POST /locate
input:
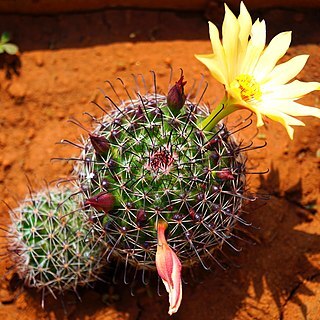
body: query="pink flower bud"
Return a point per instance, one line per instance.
(102, 201)
(169, 269)
(100, 144)
(176, 97)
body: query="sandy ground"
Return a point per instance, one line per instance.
(64, 61)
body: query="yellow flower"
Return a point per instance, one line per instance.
(249, 71)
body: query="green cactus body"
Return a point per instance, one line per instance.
(159, 165)
(52, 244)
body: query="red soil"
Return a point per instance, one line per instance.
(64, 60)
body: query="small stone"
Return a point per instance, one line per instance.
(31, 133)
(7, 161)
(21, 303)
(168, 61)
(17, 91)
(261, 136)
(129, 45)
(38, 59)
(5, 296)
(121, 67)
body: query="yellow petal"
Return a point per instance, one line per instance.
(276, 49)
(245, 24)
(284, 72)
(286, 121)
(240, 104)
(259, 119)
(213, 66)
(293, 90)
(217, 47)
(230, 36)
(255, 47)
(295, 109)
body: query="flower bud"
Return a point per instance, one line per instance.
(100, 144)
(141, 217)
(102, 201)
(225, 174)
(176, 97)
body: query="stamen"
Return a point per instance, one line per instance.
(247, 87)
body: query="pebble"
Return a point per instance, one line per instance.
(3, 140)
(21, 303)
(38, 59)
(168, 61)
(7, 163)
(121, 67)
(129, 45)
(5, 296)
(30, 134)
(17, 90)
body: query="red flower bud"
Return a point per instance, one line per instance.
(176, 97)
(225, 174)
(192, 213)
(141, 217)
(100, 144)
(102, 201)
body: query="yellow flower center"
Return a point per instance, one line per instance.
(247, 87)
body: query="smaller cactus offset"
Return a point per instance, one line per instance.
(51, 243)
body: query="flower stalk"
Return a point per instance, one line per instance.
(220, 112)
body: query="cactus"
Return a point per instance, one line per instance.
(148, 161)
(51, 242)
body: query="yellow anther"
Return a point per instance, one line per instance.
(247, 87)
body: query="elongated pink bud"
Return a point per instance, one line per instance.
(100, 144)
(102, 201)
(176, 97)
(169, 269)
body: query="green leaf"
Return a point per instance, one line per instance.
(10, 48)
(1, 49)
(5, 37)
